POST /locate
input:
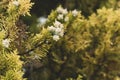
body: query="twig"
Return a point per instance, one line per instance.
(26, 53)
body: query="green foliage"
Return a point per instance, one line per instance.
(78, 78)
(104, 50)
(10, 66)
(10, 63)
(67, 47)
(89, 47)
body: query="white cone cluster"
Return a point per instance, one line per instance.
(75, 13)
(57, 30)
(62, 14)
(16, 3)
(6, 43)
(62, 11)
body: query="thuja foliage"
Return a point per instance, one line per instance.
(89, 47)
(10, 63)
(67, 47)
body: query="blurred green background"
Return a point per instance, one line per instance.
(44, 7)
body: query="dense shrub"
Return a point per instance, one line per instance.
(67, 47)
(89, 47)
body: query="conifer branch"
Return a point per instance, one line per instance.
(32, 49)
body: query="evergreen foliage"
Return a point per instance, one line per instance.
(67, 47)
(10, 63)
(10, 66)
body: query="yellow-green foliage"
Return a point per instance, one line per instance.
(10, 63)
(104, 50)
(90, 47)
(22, 7)
(12, 11)
(2, 34)
(78, 78)
(10, 66)
(68, 44)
